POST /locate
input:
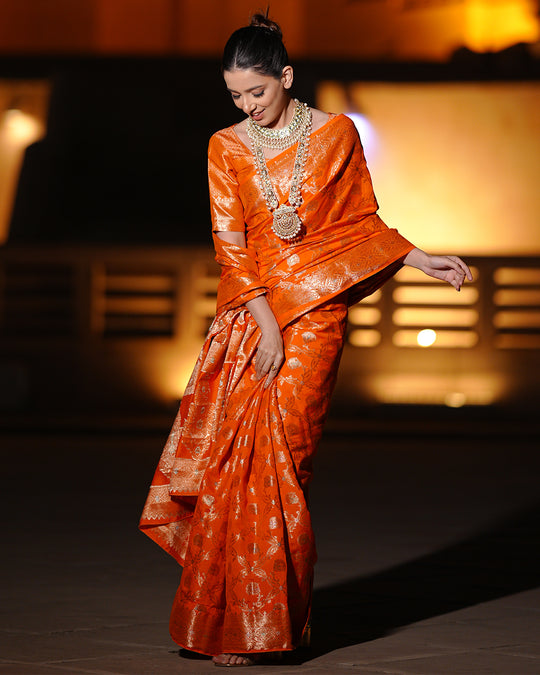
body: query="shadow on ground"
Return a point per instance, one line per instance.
(501, 561)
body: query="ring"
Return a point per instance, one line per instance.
(273, 367)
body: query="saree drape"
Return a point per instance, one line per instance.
(229, 496)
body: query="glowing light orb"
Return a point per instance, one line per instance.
(455, 399)
(21, 128)
(426, 337)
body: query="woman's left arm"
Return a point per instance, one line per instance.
(448, 268)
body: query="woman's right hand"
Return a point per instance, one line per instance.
(269, 357)
(270, 353)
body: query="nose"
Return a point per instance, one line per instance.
(248, 106)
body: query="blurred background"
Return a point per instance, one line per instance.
(107, 275)
(427, 541)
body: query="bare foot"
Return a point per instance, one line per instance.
(233, 660)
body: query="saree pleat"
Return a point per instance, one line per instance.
(248, 562)
(229, 498)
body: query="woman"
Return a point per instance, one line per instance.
(298, 240)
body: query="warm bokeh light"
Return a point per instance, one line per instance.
(455, 399)
(457, 164)
(438, 389)
(362, 337)
(444, 338)
(491, 25)
(20, 128)
(516, 276)
(385, 29)
(426, 337)
(23, 106)
(517, 319)
(418, 316)
(514, 296)
(435, 295)
(132, 320)
(174, 370)
(364, 316)
(517, 341)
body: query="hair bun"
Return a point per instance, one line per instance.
(262, 21)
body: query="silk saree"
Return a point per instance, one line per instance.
(229, 498)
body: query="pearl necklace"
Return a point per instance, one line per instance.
(286, 223)
(280, 139)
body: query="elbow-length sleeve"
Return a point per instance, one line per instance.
(240, 280)
(226, 207)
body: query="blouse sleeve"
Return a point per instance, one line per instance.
(226, 208)
(239, 281)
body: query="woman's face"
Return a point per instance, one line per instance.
(263, 97)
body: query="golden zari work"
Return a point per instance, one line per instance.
(229, 496)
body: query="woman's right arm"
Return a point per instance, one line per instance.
(270, 355)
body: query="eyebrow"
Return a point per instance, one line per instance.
(233, 91)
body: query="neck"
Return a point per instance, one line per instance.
(286, 115)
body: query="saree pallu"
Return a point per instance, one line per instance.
(344, 244)
(246, 543)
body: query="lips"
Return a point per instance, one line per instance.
(257, 116)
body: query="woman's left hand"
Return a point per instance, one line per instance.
(447, 268)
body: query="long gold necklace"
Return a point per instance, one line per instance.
(286, 223)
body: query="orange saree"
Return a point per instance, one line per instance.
(229, 496)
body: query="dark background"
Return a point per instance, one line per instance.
(124, 156)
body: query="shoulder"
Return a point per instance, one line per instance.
(220, 140)
(240, 130)
(318, 119)
(334, 122)
(335, 131)
(345, 125)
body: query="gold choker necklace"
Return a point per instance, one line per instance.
(287, 224)
(280, 139)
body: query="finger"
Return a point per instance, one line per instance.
(457, 280)
(263, 363)
(271, 375)
(464, 269)
(453, 261)
(461, 266)
(264, 357)
(261, 369)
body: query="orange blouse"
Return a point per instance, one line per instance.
(344, 245)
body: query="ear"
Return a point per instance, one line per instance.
(287, 77)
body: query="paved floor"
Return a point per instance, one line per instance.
(427, 561)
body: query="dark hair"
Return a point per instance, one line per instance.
(258, 46)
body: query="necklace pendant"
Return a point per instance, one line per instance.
(287, 224)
